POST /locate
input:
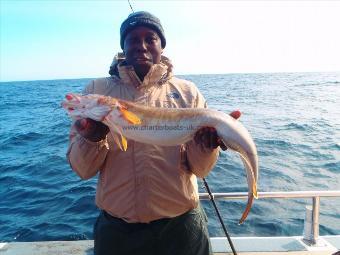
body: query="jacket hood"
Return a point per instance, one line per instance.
(158, 74)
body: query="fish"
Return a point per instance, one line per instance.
(167, 127)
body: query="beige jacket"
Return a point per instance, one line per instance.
(146, 182)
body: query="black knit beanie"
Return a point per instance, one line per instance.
(144, 19)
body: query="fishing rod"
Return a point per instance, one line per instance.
(131, 6)
(219, 216)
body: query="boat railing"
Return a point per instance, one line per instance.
(311, 222)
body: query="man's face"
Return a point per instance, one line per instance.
(142, 48)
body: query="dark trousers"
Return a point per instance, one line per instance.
(186, 234)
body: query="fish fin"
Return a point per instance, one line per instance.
(124, 142)
(123, 139)
(130, 116)
(115, 131)
(116, 139)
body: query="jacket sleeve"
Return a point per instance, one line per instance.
(200, 160)
(86, 158)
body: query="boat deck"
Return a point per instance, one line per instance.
(327, 245)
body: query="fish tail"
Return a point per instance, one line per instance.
(247, 210)
(255, 194)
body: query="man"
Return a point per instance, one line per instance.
(148, 194)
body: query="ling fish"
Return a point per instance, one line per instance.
(167, 127)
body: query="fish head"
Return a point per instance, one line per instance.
(85, 106)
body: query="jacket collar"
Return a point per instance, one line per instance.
(158, 74)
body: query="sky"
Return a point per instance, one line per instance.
(45, 40)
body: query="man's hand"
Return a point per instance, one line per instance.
(207, 136)
(91, 129)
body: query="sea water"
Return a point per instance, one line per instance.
(294, 119)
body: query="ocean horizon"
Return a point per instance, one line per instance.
(180, 75)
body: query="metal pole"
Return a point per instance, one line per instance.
(277, 194)
(315, 218)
